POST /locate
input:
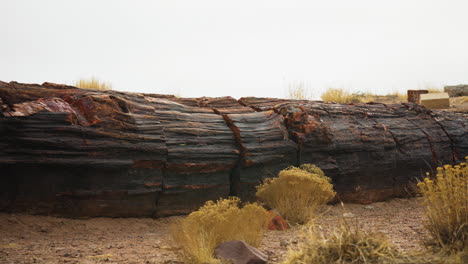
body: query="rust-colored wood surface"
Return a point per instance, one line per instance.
(414, 96)
(75, 152)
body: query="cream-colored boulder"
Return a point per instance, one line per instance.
(435, 100)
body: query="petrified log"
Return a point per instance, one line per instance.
(75, 152)
(415, 95)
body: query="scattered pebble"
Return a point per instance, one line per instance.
(284, 243)
(348, 215)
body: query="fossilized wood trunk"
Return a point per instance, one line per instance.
(75, 152)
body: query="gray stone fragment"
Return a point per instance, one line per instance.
(239, 252)
(457, 90)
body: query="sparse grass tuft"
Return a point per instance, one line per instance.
(93, 83)
(349, 244)
(297, 91)
(202, 231)
(345, 97)
(341, 96)
(435, 90)
(446, 201)
(297, 193)
(399, 97)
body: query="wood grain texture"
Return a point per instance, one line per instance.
(74, 152)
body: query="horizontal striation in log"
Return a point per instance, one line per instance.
(76, 152)
(373, 146)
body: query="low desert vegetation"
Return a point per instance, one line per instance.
(445, 197)
(297, 193)
(433, 89)
(348, 244)
(343, 96)
(314, 169)
(93, 83)
(202, 231)
(297, 91)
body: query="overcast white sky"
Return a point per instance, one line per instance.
(237, 48)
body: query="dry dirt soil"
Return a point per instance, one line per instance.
(45, 239)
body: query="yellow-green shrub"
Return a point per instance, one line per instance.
(349, 244)
(446, 206)
(202, 231)
(93, 83)
(314, 169)
(297, 193)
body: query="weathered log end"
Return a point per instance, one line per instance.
(80, 153)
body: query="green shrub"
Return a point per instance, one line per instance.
(202, 231)
(349, 244)
(297, 193)
(445, 197)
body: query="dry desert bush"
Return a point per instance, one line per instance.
(445, 198)
(348, 244)
(343, 96)
(202, 231)
(93, 83)
(297, 193)
(297, 91)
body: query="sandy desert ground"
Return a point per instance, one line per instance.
(46, 239)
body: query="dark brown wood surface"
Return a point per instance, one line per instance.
(74, 152)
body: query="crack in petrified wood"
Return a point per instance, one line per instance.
(81, 152)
